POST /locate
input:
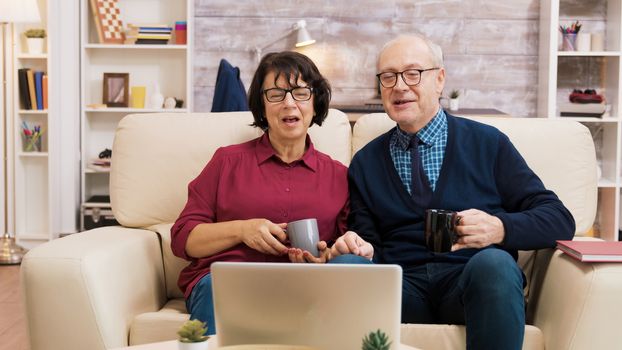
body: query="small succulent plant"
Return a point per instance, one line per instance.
(377, 340)
(454, 94)
(192, 331)
(35, 33)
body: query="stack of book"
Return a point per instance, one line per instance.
(33, 89)
(155, 34)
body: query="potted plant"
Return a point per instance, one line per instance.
(192, 336)
(454, 101)
(377, 340)
(34, 40)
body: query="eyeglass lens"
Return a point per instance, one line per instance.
(278, 95)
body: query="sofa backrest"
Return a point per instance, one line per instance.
(560, 151)
(156, 155)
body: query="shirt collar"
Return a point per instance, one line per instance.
(427, 135)
(264, 151)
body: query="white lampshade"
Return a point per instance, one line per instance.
(19, 11)
(303, 38)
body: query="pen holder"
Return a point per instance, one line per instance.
(31, 143)
(568, 41)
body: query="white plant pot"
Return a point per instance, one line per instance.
(454, 104)
(35, 45)
(204, 345)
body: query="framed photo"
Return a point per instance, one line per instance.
(116, 86)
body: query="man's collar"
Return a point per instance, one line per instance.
(427, 135)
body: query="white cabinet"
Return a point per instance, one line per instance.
(562, 71)
(168, 66)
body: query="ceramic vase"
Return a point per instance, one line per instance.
(35, 45)
(157, 99)
(454, 104)
(204, 345)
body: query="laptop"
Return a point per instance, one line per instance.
(327, 307)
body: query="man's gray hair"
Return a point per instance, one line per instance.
(435, 50)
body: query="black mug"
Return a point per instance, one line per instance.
(440, 229)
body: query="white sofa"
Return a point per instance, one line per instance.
(114, 286)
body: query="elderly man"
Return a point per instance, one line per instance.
(432, 159)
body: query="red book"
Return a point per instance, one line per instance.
(592, 251)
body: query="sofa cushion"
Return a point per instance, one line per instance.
(172, 264)
(163, 325)
(155, 156)
(159, 326)
(452, 337)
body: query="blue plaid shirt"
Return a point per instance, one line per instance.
(434, 139)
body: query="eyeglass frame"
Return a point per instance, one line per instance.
(402, 75)
(290, 91)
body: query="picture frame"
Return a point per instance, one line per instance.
(116, 89)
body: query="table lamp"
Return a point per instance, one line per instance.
(302, 38)
(11, 11)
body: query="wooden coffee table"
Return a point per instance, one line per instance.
(172, 345)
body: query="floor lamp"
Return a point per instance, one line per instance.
(11, 11)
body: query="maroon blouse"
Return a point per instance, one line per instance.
(248, 181)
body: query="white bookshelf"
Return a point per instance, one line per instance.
(170, 66)
(32, 214)
(597, 69)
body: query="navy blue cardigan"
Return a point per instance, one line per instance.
(481, 169)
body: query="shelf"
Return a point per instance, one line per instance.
(32, 56)
(33, 154)
(606, 183)
(135, 110)
(136, 47)
(589, 53)
(590, 120)
(33, 111)
(34, 236)
(94, 171)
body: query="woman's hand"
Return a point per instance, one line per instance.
(264, 236)
(351, 243)
(297, 255)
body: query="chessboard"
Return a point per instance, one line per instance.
(107, 17)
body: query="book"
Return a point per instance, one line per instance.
(39, 89)
(151, 42)
(24, 92)
(45, 91)
(31, 89)
(592, 251)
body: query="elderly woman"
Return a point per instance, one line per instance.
(239, 205)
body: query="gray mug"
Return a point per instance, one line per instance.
(304, 234)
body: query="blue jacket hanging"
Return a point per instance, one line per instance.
(229, 94)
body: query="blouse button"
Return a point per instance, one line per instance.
(287, 189)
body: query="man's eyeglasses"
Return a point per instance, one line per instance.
(411, 77)
(298, 94)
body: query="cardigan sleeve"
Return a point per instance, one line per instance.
(534, 217)
(361, 220)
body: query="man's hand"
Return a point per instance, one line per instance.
(297, 255)
(264, 236)
(351, 243)
(477, 229)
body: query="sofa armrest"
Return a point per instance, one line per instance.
(579, 304)
(83, 291)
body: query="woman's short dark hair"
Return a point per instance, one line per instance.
(291, 65)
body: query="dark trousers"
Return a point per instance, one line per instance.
(486, 294)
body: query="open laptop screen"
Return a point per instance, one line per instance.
(324, 306)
